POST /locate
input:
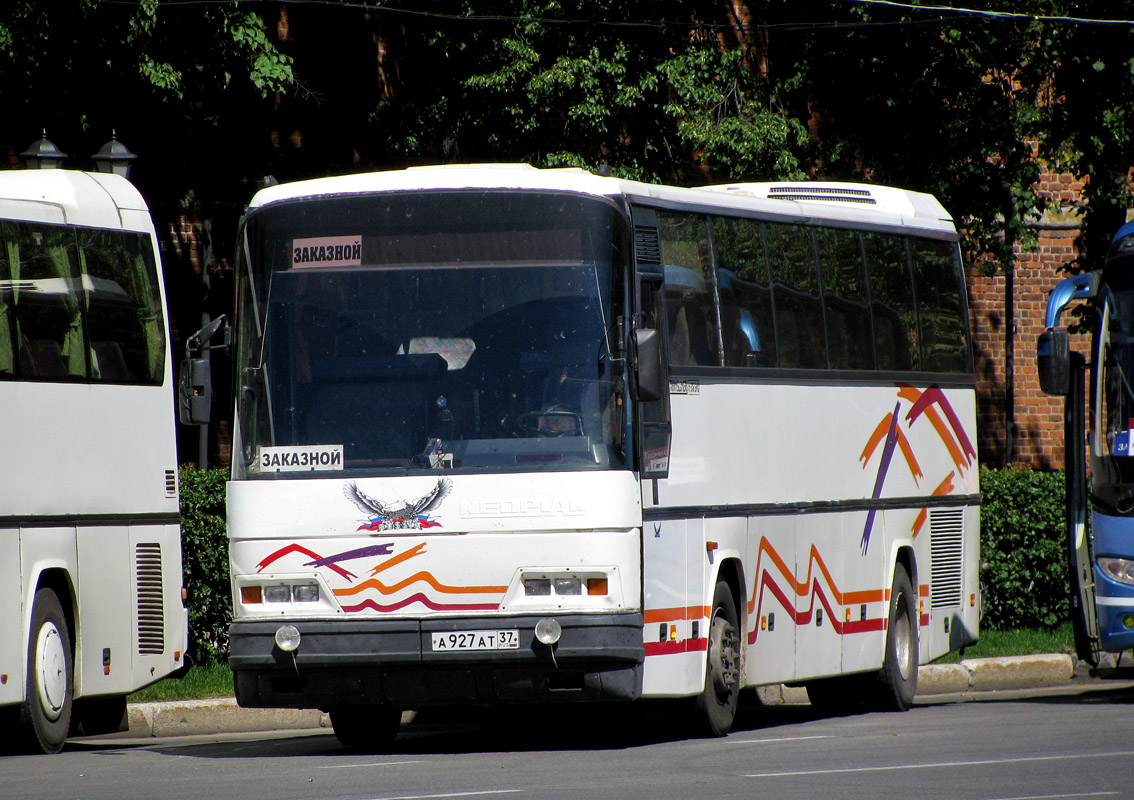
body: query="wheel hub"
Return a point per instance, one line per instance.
(51, 671)
(723, 656)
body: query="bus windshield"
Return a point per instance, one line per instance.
(463, 330)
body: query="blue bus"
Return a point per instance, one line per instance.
(1098, 434)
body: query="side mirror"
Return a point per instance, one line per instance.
(1053, 361)
(194, 392)
(648, 384)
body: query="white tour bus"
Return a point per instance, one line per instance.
(514, 435)
(91, 602)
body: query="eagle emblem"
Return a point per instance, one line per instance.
(409, 515)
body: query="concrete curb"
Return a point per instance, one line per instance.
(223, 715)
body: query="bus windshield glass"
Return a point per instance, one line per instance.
(456, 330)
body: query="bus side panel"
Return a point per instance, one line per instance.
(13, 654)
(104, 584)
(770, 572)
(820, 555)
(159, 618)
(866, 591)
(674, 665)
(949, 591)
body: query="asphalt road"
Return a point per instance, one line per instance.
(1070, 742)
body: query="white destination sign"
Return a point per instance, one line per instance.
(300, 458)
(326, 251)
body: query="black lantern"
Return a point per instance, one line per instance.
(43, 154)
(114, 157)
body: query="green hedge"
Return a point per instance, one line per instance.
(204, 553)
(1021, 541)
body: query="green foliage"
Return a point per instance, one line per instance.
(204, 548)
(1022, 540)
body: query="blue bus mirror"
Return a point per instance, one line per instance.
(1053, 361)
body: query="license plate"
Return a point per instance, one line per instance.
(465, 641)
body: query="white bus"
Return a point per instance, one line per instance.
(91, 604)
(514, 435)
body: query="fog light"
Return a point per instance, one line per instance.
(277, 594)
(548, 631)
(568, 586)
(305, 593)
(287, 638)
(1128, 622)
(537, 586)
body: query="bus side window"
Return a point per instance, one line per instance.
(795, 291)
(892, 302)
(849, 333)
(743, 286)
(46, 301)
(693, 338)
(8, 351)
(939, 289)
(124, 316)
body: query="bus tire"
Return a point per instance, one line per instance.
(896, 683)
(366, 729)
(716, 705)
(45, 717)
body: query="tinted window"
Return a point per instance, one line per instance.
(940, 303)
(845, 299)
(124, 320)
(892, 303)
(690, 314)
(747, 328)
(795, 289)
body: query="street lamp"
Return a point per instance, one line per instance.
(43, 154)
(114, 157)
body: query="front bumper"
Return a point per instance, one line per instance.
(348, 662)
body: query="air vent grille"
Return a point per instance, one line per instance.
(946, 555)
(647, 245)
(151, 607)
(839, 193)
(171, 483)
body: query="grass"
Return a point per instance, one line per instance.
(215, 680)
(210, 680)
(1018, 642)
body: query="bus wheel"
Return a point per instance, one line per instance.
(896, 683)
(45, 716)
(367, 729)
(716, 705)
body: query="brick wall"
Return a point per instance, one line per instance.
(1038, 417)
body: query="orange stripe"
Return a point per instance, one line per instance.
(921, 517)
(416, 550)
(879, 433)
(374, 583)
(945, 487)
(802, 588)
(671, 614)
(866, 596)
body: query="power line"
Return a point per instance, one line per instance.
(994, 14)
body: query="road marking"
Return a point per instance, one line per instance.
(938, 764)
(448, 794)
(1056, 796)
(772, 741)
(374, 764)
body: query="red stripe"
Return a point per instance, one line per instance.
(672, 648)
(425, 601)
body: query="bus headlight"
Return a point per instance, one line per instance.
(1119, 569)
(277, 594)
(305, 593)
